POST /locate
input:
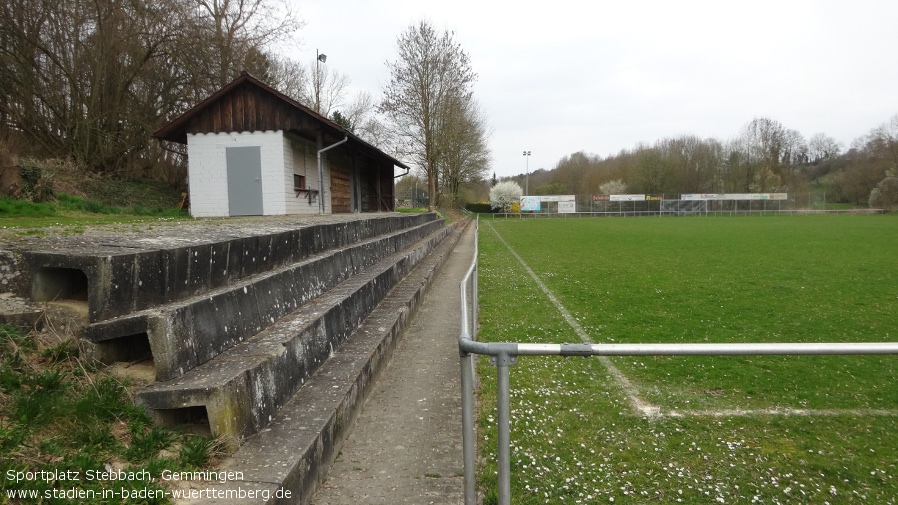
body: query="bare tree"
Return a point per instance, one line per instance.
(430, 71)
(90, 80)
(326, 88)
(360, 112)
(822, 148)
(795, 149)
(289, 77)
(313, 84)
(764, 147)
(232, 35)
(86, 79)
(884, 140)
(464, 154)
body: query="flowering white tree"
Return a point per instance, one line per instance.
(504, 194)
(885, 194)
(615, 187)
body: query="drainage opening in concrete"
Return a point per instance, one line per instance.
(193, 419)
(57, 284)
(129, 356)
(130, 348)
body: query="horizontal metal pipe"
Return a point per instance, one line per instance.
(740, 349)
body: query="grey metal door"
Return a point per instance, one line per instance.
(244, 180)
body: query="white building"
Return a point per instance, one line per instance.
(254, 151)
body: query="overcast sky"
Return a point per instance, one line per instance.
(564, 76)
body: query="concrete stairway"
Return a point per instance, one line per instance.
(185, 333)
(271, 339)
(242, 387)
(235, 325)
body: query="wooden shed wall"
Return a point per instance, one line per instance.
(248, 108)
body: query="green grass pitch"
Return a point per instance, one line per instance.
(772, 429)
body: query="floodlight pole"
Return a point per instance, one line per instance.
(319, 58)
(527, 166)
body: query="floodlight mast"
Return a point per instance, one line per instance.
(319, 58)
(527, 167)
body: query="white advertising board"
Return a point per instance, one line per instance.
(735, 196)
(558, 198)
(627, 198)
(567, 207)
(702, 196)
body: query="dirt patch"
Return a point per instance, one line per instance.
(139, 374)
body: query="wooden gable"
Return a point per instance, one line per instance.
(247, 104)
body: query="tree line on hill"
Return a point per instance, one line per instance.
(765, 157)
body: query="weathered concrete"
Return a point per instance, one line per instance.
(127, 274)
(296, 449)
(280, 357)
(9, 274)
(245, 386)
(185, 334)
(405, 445)
(19, 312)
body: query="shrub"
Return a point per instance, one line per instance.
(885, 194)
(37, 179)
(479, 208)
(504, 194)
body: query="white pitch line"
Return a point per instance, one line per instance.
(783, 411)
(641, 406)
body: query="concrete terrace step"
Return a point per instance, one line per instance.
(127, 273)
(184, 334)
(294, 452)
(243, 388)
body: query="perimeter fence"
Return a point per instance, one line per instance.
(678, 205)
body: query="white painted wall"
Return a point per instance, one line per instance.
(282, 155)
(301, 155)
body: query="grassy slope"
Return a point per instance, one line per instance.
(60, 415)
(80, 199)
(694, 280)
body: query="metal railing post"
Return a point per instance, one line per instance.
(503, 424)
(467, 428)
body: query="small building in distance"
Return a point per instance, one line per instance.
(254, 151)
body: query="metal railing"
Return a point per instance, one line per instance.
(504, 354)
